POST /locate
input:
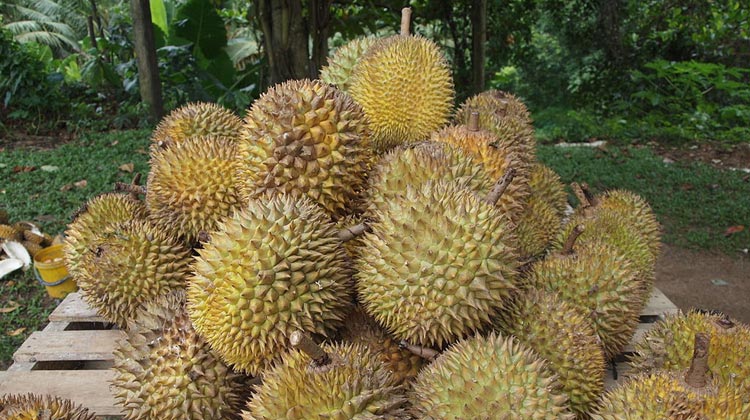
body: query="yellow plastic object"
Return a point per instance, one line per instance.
(50, 270)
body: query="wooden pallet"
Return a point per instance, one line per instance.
(72, 356)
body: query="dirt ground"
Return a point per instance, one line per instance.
(699, 279)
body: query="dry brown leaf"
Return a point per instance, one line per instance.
(114, 143)
(20, 168)
(8, 309)
(127, 167)
(731, 230)
(16, 332)
(81, 184)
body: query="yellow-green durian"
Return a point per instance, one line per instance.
(129, 264)
(193, 185)
(545, 183)
(565, 337)
(41, 407)
(96, 217)
(537, 226)
(306, 138)
(405, 87)
(437, 265)
(164, 370)
(492, 377)
(10, 233)
(506, 117)
(274, 267)
(196, 119)
(601, 283)
(342, 62)
(354, 384)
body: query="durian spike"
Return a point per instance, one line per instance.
(303, 342)
(500, 186)
(473, 124)
(697, 375)
(423, 352)
(203, 237)
(570, 241)
(349, 233)
(133, 188)
(580, 195)
(405, 20)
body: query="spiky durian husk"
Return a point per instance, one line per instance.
(129, 264)
(355, 385)
(193, 185)
(416, 164)
(565, 337)
(164, 370)
(491, 377)
(32, 247)
(10, 233)
(96, 217)
(669, 346)
(361, 328)
(41, 407)
(537, 227)
(196, 119)
(405, 87)
(342, 62)
(664, 395)
(496, 162)
(307, 138)
(437, 265)
(545, 183)
(506, 117)
(30, 236)
(274, 267)
(601, 283)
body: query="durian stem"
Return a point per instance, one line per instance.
(697, 375)
(473, 121)
(500, 186)
(203, 237)
(580, 195)
(724, 322)
(405, 20)
(593, 201)
(303, 342)
(134, 190)
(423, 352)
(570, 241)
(347, 234)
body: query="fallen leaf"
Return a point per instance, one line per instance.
(81, 184)
(114, 143)
(66, 187)
(8, 309)
(687, 187)
(731, 230)
(49, 168)
(20, 168)
(16, 332)
(127, 167)
(10, 283)
(141, 151)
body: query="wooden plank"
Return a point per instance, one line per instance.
(640, 331)
(21, 366)
(74, 309)
(659, 305)
(56, 326)
(68, 345)
(622, 371)
(89, 388)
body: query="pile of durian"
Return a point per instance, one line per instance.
(355, 248)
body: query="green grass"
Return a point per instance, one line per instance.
(38, 196)
(694, 202)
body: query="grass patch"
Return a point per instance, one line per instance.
(694, 202)
(46, 199)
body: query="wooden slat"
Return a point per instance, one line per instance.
(74, 309)
(21, 366)
(68, 345)
(622, 370)
(89, 388)
(56, 326)
(659, 305)
(640, 331)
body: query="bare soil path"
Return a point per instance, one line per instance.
(704, 280)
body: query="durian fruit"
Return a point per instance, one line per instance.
(41, 407)
(129, 264)
(492, 377)
(193, 185)
(496, 161)
(405, 87)
(689, 394)
(361, 328)
(10, 233)
(506, 117)
(342, 62)
(537, 227)
(562, 335)
(196, 119)
(30, 236)
(32, 247)
(415, 164)
(545, 183)
(164, 370)
(669, 346)
(351, 246)
(307, 138)
(437, 265)
(274, 267)
(337, 381)
(94, 218)
(600, 282)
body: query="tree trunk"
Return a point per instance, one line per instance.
(145, 54)
(478, 37)
(285, 39)
(608, 19)
(320, 19)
